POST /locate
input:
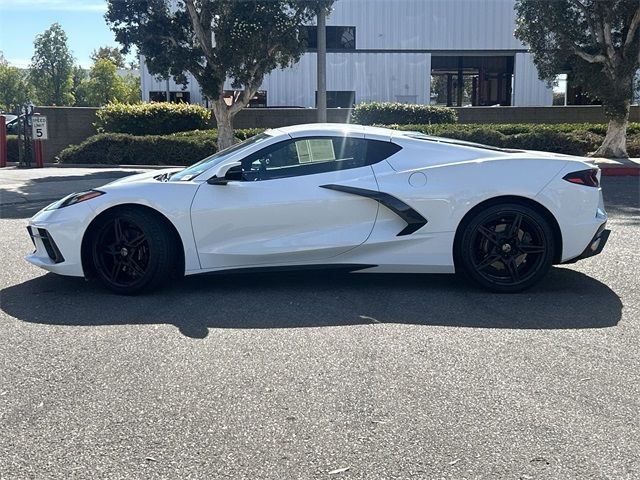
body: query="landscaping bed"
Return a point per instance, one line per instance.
(185, 148)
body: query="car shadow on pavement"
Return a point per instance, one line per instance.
(566, 299)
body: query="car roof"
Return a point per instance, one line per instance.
(339, 129)
(378, 133)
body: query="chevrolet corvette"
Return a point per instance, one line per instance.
(330, 195)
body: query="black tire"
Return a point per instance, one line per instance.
(132, 251)
(506, 248)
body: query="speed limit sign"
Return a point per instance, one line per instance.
(39, 127)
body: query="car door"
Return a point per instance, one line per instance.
(281, 211)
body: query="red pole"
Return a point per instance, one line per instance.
(37, 148)
(4, 147)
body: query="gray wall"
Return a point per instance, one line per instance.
(66, 126)
(278, 117)
(71, 125)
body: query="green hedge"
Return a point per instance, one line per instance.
(182, 148)
(124, 149)
(151, 118)
(388, 113)
(188, 147)
(570, 139)
(513, 128)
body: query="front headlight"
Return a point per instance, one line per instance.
(75, 198)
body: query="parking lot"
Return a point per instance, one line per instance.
(318, 375)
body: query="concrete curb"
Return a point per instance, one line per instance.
(620, 171)
(102, 166)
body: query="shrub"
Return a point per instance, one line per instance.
(571, 139)
(515, 128)
(124, 149)
(183, 148)
(247, 133)
(151, 118)
(633, 145)
(388, 113)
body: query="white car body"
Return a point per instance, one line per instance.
(303, 220)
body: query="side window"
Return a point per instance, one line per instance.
(308, 156)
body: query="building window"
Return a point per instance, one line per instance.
(339, 98)
(471, 80)
(259, 100)
(338, 38)
(174, 97)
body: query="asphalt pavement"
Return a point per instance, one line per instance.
(318, 375)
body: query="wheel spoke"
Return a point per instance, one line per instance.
(530, 249)
(515, 225)
(135, 267)
(108, 250)
(510, 263)
(489, 260)
(137, 241)
(117, 227)
(115, 270)
(488, 234)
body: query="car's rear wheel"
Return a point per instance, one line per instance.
(506, 248)
(132, 251)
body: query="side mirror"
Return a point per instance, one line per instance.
(227, 173)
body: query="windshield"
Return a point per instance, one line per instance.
(217, 158)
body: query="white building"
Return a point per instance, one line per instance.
(456, 52)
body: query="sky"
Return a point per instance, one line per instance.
(82, 20)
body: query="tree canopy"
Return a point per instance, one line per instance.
(104, 85)
(215, 40)
(51, 67)
(598, 41)
(112, 54)
(14, 86)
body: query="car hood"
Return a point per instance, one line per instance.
(143, 177)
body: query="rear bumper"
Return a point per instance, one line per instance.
(596, 245)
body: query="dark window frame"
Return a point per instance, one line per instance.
(335, 35)
(335, 98)
(369, 158)
(175, 96)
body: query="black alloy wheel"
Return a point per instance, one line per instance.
(132, 252)
(507, 248)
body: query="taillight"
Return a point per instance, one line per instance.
(584, 177)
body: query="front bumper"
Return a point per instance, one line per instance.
(57, 238)
(42, 239)
(596, 245)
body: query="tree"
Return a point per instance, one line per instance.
(215, 40)
(133, 93)
(112, 54)
(14, 87)
(598, 41)
(51, 67)
(78, 74)
(104, 85)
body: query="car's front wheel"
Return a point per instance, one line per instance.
(132, 251)
(506, 248)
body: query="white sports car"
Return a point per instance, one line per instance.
(368, 199)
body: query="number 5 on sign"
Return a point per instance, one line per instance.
(39, 127)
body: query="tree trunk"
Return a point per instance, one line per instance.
(225, 124)
(615, 142)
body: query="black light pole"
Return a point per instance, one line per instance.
(322, 65)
